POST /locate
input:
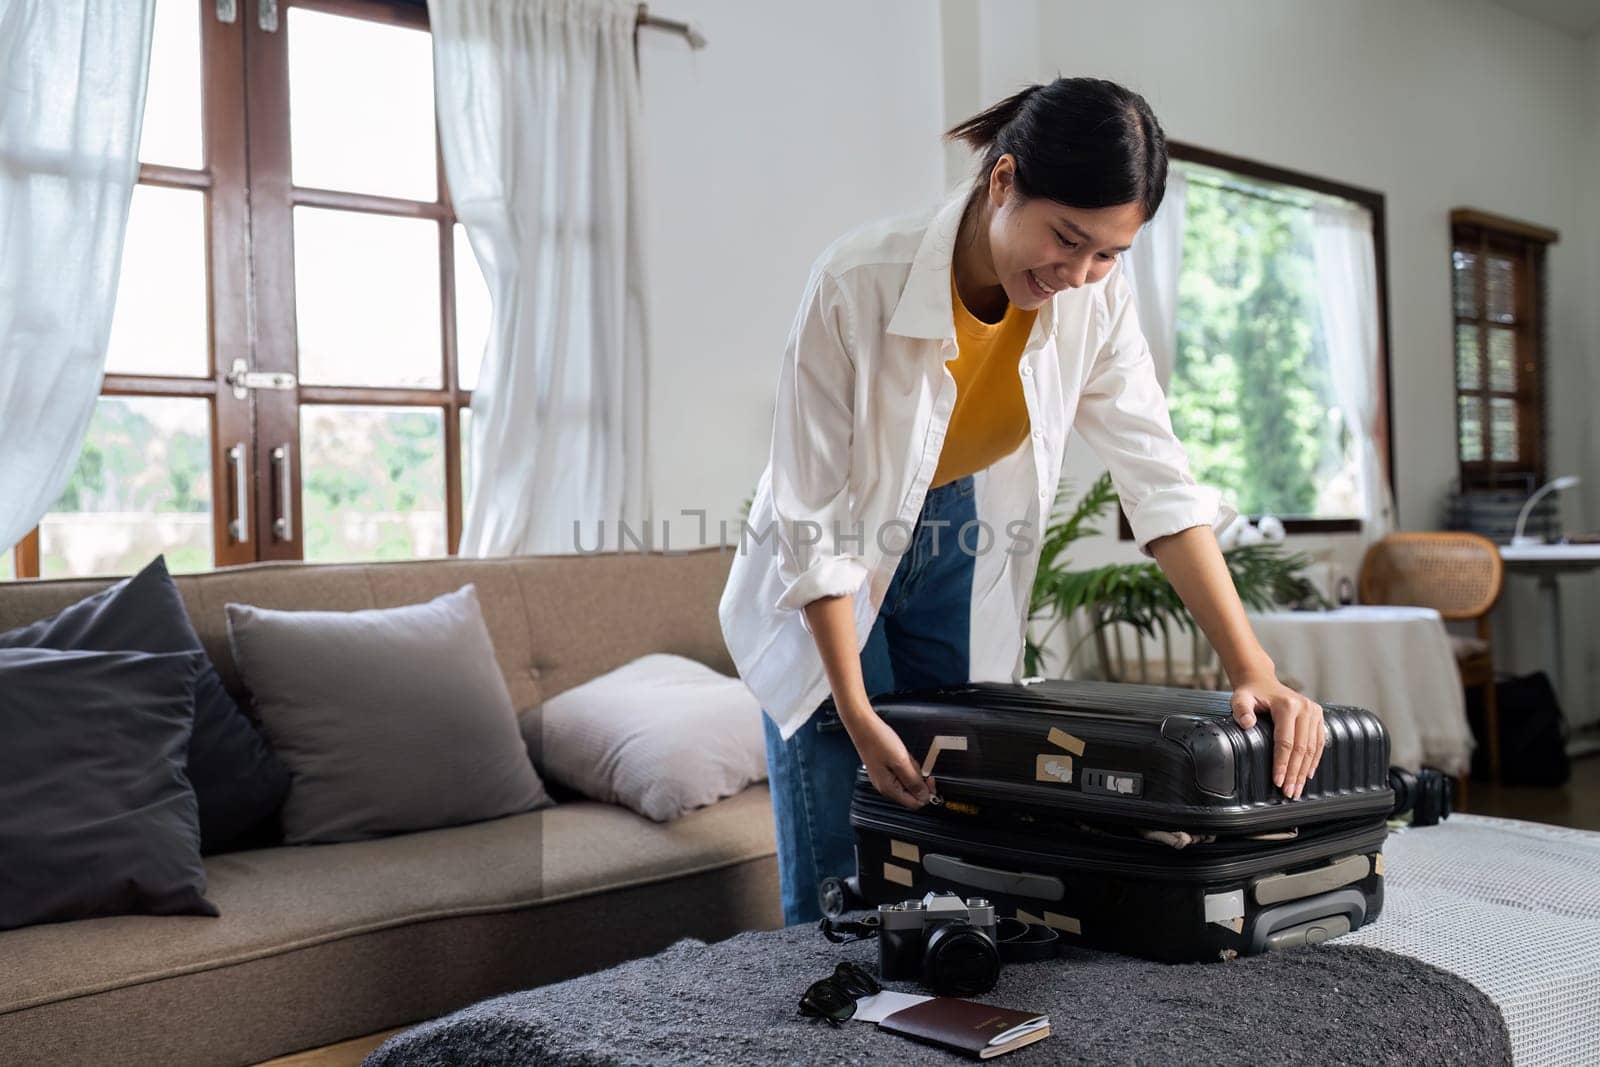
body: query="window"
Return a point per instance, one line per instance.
(1497, 284)
(1251, 393)
(283, 378)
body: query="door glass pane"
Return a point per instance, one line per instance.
(1503, 429)
(367, 299)
(142, 487)
(8, 564)
(472, 311)
(1500, 290)
(361, 106)
(1502, 360)
(466, 454)
(372, 482)
(1469, 366)
(171, 131)
(160, 323)
(1465, 275)
(1469, 412)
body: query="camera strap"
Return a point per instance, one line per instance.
(1023, 942)
(847, 931)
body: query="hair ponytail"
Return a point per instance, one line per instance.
(1083, 142)
(982, 130)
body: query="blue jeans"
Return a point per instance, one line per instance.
(920, 639)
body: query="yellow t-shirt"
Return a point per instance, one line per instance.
(990, 418)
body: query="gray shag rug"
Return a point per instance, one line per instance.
(734, 1002)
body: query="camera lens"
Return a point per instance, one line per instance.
(959, 960)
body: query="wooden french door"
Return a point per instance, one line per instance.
(291, 277)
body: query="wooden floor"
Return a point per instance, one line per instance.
(344, 1054)
(1576, 804)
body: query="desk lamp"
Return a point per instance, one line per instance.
(1566, 481)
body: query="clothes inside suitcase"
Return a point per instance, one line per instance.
(1067, 803)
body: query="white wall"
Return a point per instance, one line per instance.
(1591, 180)
(1436, 105)
(1583, 653)
(797, 123)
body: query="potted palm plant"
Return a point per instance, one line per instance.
(1137, 596)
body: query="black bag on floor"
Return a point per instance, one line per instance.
(1533, 732)
(1133, 818)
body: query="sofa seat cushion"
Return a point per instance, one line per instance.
(280, 900)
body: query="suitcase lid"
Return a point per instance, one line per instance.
(1132, 754)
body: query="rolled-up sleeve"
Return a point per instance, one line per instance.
(812, 433)
(1123, 416)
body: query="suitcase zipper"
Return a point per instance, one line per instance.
(1126, 812)
(1174, 864)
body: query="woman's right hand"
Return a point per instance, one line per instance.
(888, 764)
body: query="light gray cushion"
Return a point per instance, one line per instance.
(661, 735)
(389, 720)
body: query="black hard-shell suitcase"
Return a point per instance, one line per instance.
(1063, 802)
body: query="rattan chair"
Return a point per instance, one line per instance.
(1458, 575)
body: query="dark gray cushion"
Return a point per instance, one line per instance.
(96, 816)
(389, 720)
(238, 781)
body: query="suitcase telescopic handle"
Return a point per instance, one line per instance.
(994, 879)
(1309, 921)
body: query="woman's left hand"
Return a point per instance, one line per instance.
(1297, 729)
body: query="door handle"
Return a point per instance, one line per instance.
(239, 525)
(283, 522)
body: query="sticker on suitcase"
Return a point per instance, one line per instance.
(1053, 767)
(942, 743)
(1061, 739)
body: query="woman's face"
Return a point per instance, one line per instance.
(1040, 247)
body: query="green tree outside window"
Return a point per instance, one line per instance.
(1250, 395)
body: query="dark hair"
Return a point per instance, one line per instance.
(1082, 142)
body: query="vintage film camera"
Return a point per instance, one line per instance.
(946, 943)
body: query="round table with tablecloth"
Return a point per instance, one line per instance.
(1395, 661)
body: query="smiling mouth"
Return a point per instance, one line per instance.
(1043, 288)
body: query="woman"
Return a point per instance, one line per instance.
(930, 381)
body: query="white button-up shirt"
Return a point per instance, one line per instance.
(864, 399)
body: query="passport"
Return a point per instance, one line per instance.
(981, 1031)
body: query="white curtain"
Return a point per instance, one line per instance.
(540, 129)
(72, 81)
(1153, 265)
(1347, 287)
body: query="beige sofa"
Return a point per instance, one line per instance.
(322, 943)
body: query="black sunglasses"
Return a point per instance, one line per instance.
(833, 999)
